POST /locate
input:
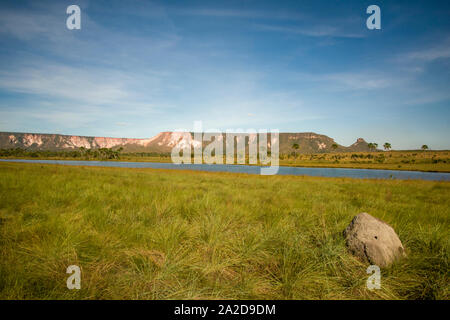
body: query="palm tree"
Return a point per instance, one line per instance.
(370, 146)
(424, 147)
(295, 146)
(387, 146)
(334, 146)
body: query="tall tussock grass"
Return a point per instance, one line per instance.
(161, 234)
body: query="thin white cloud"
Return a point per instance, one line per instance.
(63, 82)
(439, 49)
(429, 54)
(230, 13)
(56, 116)
(363, 80)
(366, 81)
(26, 26)
(94, 42)
(122, 124)
(312, 28)
(311, 31)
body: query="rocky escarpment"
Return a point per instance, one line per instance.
(307, 142)
(61, 142)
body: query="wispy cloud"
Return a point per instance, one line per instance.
(312, 26)
(429, 54)
(28, 25)
(311, 31)
(94, 43)
(438, 50)
(63, 82)
(361, 80)
(49, 115)
(231, 13)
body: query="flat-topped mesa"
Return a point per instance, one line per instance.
(163, 142)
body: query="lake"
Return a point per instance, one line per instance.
(296, 171)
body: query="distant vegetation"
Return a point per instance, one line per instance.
(396, 160)
(295, 146)
(372, 146)
(424, 160)
(81, 153)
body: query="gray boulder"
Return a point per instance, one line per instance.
(373, 240)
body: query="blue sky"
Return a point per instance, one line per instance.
(140, 67)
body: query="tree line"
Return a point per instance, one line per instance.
(82, 153)
(371, 145)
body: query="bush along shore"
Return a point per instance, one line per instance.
(428, 161)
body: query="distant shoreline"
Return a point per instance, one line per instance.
(368, 166)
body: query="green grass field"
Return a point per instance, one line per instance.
(161, 234)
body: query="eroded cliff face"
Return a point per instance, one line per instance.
(162, 142)
(165, 141)
(61, 142)
(30, 139)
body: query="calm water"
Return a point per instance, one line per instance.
(322, 172)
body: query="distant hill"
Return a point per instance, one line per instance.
(308, 142)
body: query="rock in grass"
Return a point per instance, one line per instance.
(373, 240)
